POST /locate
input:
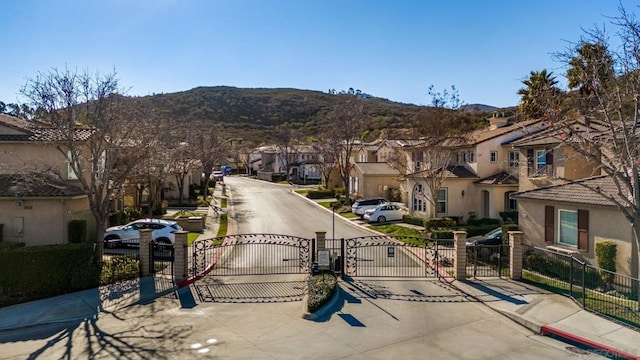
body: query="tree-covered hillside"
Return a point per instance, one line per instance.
(254, 114)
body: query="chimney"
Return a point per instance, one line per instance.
(497, 121)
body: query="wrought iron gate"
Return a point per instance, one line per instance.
(488, 261)
(387, 256)
(161, 258)
(251, 254)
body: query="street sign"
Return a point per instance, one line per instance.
(391, 251)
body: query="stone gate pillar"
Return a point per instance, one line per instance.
(145, 252)
(180, 263)
(460, 250)
(515, 247)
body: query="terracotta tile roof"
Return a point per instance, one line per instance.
(488, 133)
(31, 132)
(553, 135)
(460, 172)
(579, 192)
(36, 185)
(501, 178)
(376, 168)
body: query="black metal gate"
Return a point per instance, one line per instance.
(161, 258)
(401, 257)
(251, 254)
(488, 261)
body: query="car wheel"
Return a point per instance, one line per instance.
(381, 219)
(111, 242)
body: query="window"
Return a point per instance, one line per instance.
(71, 173)
(493, 156)
(514, 159)
(441, 207)
(541, 162)
(464, 157)
(568, 227)
(471, 156)
(509, 203)
(419, 199)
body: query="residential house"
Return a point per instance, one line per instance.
(481, 172)
(39, 191)
(373, 179)
(570, 218)
(557, 208)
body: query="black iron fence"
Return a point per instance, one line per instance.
(119, 263)
(607, 293)
(161, 259)
(488, 261)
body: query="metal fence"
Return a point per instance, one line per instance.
(488, 261)
(119, 263)
(607, 293)
(161, 259)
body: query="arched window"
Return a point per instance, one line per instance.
(419, 199)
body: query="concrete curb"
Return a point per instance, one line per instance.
(609, 351)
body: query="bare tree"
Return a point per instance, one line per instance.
(345, 125)
(442, 127)
(208, 147)
(74, 103)
(607, 89)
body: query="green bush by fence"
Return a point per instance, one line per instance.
(606, 252)
(438, 223)
(31, 273)
(413, 220)
(320, 194)
(442, 234)
(484, 222)
(77, 231)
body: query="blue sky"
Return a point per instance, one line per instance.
(391, 49)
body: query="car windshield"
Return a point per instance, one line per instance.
(493, 233)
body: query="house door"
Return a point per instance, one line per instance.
(485, 204)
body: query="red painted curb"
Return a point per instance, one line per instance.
(546, 330)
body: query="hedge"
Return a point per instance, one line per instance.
(413, 220)
(320, 194)
(31, 273)
(321, 288)
(438, 223)
(77, 231)
(483, 222)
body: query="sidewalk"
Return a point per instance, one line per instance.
(554, 315)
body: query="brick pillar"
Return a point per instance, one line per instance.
(145, 255)
(460, 249)
(180, 263)
(515, 247)
(321, 237)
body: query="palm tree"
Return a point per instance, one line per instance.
(539, 96)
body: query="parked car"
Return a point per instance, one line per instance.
(217, 176)
(362, 205)
(129, 234)
(385, 212)
(493, 237)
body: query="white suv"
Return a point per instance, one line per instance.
(129, 234)
(362, 205)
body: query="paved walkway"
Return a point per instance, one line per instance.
(537, 310)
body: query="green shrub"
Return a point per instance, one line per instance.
(320, 194)
(476, 230)
(438, 223)
(321, 288)
(606, 252)
(509, 216)
(442, 234)
(120, 267)
(338, 190)
(413, 220)
(484, 221)
(77, 231)
(10, 245)
(36, 272)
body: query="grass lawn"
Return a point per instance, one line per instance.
(302, 191)
(396, 230)
(191, 237)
